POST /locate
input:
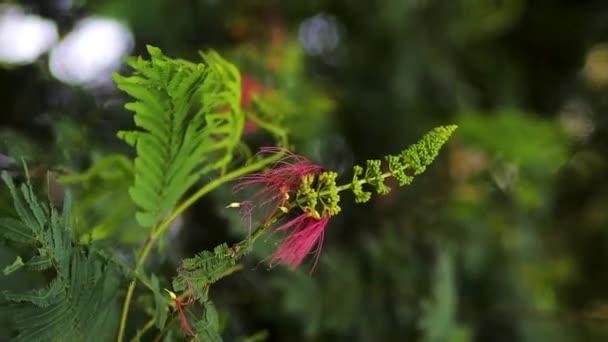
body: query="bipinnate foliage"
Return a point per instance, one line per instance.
(208, 327)
(79, 302)
(105, 185)
(189, 123)
(318, 195)
(195, 276)
(199, 272)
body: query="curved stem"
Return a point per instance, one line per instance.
(360, 181)
(143, 330)
(162, 228)
(125, 311)
(120, 160)
(150, 323)
(240, 248)
(345, 187)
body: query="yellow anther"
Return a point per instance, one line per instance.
(315, 214)
(171, 294)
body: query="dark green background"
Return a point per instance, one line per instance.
(505, 238)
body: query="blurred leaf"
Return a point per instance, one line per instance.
(17, 264)
(516, 136)
(207, 328)
(439, 314)
(160, 315)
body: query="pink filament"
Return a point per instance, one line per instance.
(278, 181)
(306, 234)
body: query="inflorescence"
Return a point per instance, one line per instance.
(296, 186)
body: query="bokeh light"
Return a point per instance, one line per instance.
(596, 65)
(319, 34)
(91, 52)
(576, 119)
(24, 37)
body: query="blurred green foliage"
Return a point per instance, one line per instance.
(504, 239)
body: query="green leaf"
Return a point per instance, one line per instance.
(79, 303)
(17, 264)
(208, 328)
(104, 209)
(15, 230)
(439, 321)
(39, 297)
(24, 213)
(204, 269)
(39, 262)
(257, 337)
(160, 314)
(173, 110)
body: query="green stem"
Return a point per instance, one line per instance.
(346, 186)
(125, 311)
(162, 228)
(150, 323)
(241, 248)
(120, 160)
(143, 330)
(360, 181)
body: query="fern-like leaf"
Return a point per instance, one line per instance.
(204, 269)
(207, 329)
(78, 304)
(189, 123)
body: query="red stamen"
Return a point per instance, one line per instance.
(279, 180)
(182, 316)
(278, 184)
(307, 233)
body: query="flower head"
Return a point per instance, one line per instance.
(279, 182)
(281, 188)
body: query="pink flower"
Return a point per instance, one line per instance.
(278, 184)
(246, 212)
(278, 181)
(306, 233)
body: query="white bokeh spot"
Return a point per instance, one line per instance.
(24, 37)
(91, 52)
